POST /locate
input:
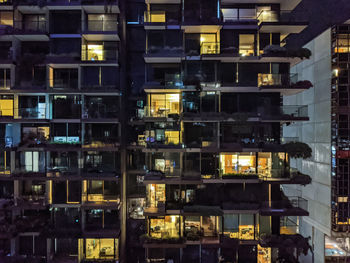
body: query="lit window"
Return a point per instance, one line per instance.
(209, 44)
(6, 105)
(163, 104)
(6, 18)
(343, 45)
(100, 248)
(246, 45)
(264, 254)
(155, 194)
(165, 228)
(242, 163)
(93, 52)
(155, 17)
(172, 137)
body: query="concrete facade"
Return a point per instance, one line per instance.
(317, 134)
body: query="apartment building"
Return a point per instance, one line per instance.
(60, 105)
(327, 134)
(149, 131)
(205, 161)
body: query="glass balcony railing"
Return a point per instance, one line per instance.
(32, 26)
(154, 17)
(210, 48)
(32, 113)
(63, 83)
(276, 16)
(97, 53)
(158, 112)
(102, 25)
(273, 80)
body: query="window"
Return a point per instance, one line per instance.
(100, 248)
(163, 104)
(5, 78)
(246, 44)
(6, 18)
(155, 194)
(240, 163)
(209, 44)
(155, 17)
(343, 45)
(66, 133)
(102, 191)
(102, 22)
(165, 227)
(6, 105)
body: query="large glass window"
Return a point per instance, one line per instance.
(209, 44)
(6, 18)
(240, 163)
(100, 248)
(272, 164)
(102, 22)
(246, 44)
(165, 227)
(160, 105)
(6, 105)
(155, 194)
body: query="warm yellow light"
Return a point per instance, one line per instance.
(202, 39)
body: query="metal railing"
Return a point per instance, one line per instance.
(102, 25)
(210, 48)
(268, 79)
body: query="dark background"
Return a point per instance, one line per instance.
(321, 14)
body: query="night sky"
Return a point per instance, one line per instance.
(321, 15)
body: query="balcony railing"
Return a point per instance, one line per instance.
(32, 113)
(32, 26)
(58, 83)
(210, 48)
(276, 16)
(158, 112)
(294, 205)
(273, 80)
(98, 54)
(283, 112)
(154, 17)
(102, 25)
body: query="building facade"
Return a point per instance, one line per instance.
(148, 131)
(206, 150)
(327, 135)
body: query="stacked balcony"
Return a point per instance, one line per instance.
(60, 130)
(210, 127)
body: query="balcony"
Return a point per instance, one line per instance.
(31, 27)
(281, 21)
(101, 109)
(101, 28)
(210, 48)
(109, 25)
(284, 83)
(283, 113)
(98, 53)
(291, 206)
(160, 19)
